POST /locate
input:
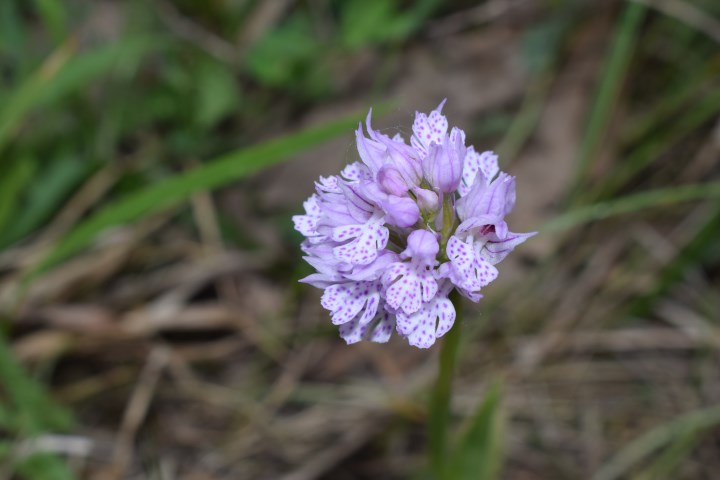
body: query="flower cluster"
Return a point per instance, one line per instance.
(391, 236)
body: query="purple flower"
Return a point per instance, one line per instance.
(468, 269)
(443, 164)
(432, 321)
(410, 284)
(429, 129)
(393, 235)
(359, 244)
(484, 164)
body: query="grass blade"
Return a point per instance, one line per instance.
(691, 255)
(645, 445)
(48, 189)
(17, 175)
(43, 466)
(54, 17)
(176, 189)
(633, 203)
(610, 84)
(34, 410)
(24, 98)
(28, 412)
(646, 153)
(667, 464)
(63, 73)
(479, 454)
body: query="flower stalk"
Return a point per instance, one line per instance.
(440, 413)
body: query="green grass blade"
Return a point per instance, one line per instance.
(18, 102)
(35, 411)
(645, 445)
(50, 187)
(671, 103)
(27, 411)
(5, 417)
(63, 73)
(690, 256)
(174, 190)
(13, 34)
(699, 114)
(5, 449)
(611, 82)
(633, 203)
(665, 467)
(17, 175)
(479, 453)
(526, 120)
(54, 18)
(43, 466)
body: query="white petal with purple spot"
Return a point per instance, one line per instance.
(383, 329)
(408, 286)
(364, 242)
(470, 271)
(307, 224)
(429, 129)
(484, 164)
(347, 300)
(429, 323)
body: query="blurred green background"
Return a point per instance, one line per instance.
(153, 154)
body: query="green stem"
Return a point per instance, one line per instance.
(448, 213)
(441, 395)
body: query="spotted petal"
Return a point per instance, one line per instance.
(408, 286)
(445, 312)
(355, 330)
(307, 224)
(429, 323)
(356, 172)
(347, 300)
(352, 332)
(496, 249)
(365, 242)
(429, 129)
(383, 329)
(469, 270)
(374, 270)
(484, 164)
